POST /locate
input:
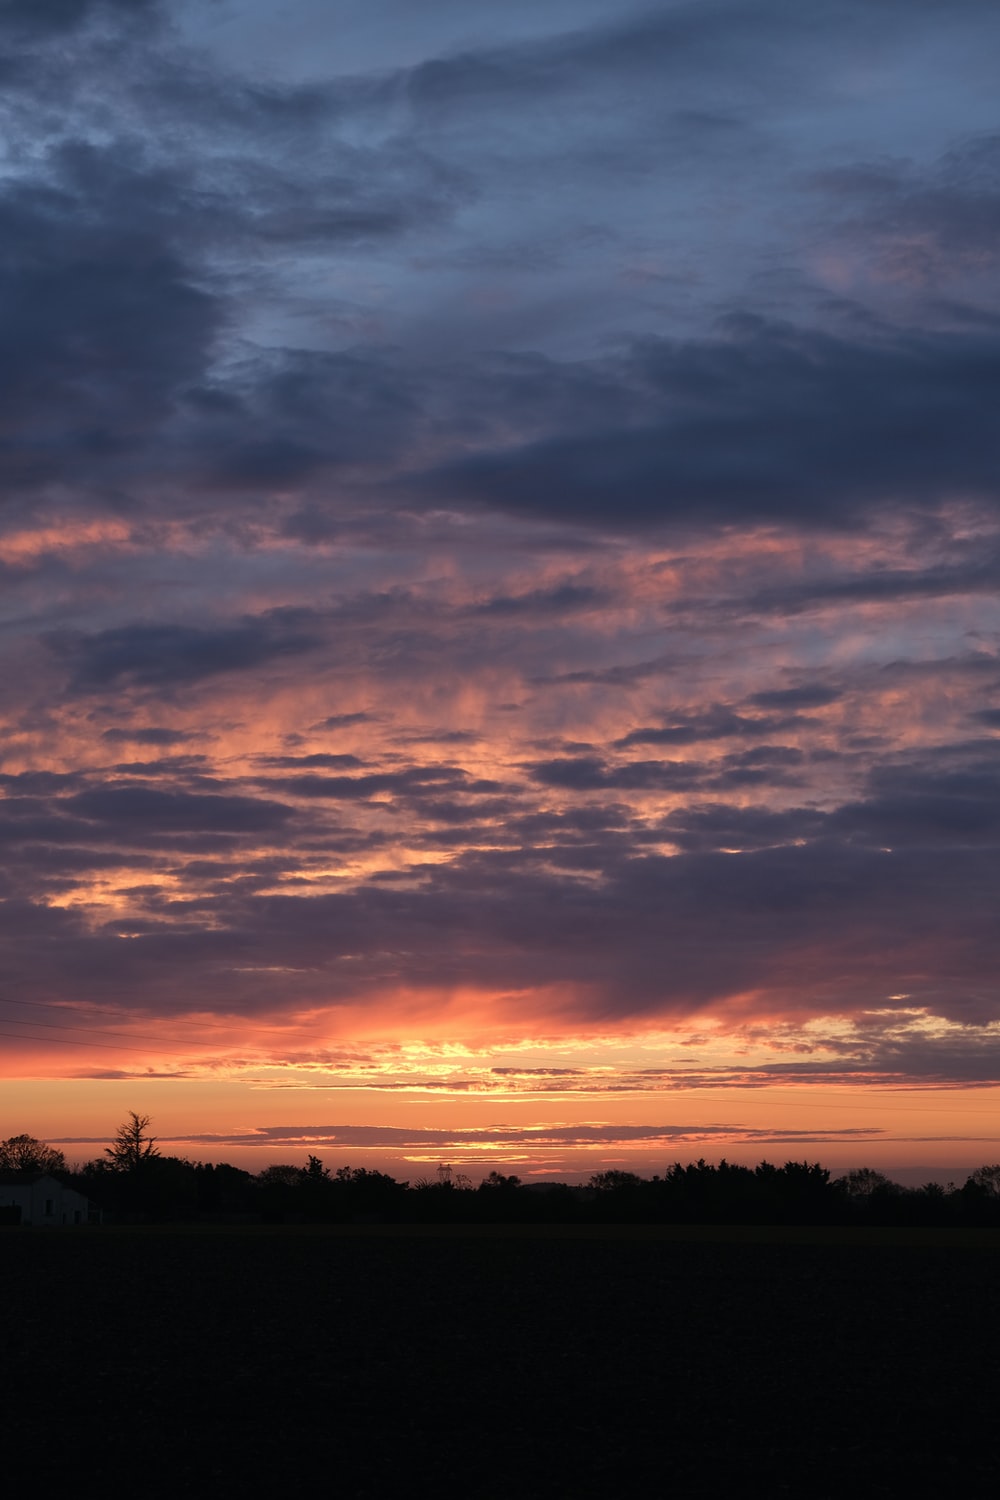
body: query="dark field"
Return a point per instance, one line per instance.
(490, 1363)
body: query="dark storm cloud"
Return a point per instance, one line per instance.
(117, 308)
(149, 736)
(39, 17)
(302, 169)
(295, 413)
(38, 869)
(971, 666)
(806, 695)
(765, 422)
(562, 600)
(463, 815)
(167, 656)
(319, 760)
(719, 723)
(409, 782)
(916, 806)
(100, 321)
(113, 310)
(32, 784)
(910, 807)
(923, 226)
(765, 765)
(707, 826)
(830, 924)
(588, 773)
(132, 810)
(978, 574)
(192, 769)
(768, 766)
(769, 422)
(624, 675)
(109, 820)
(732, 49)
(344, 721)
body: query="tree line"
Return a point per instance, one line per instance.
(134, 1182)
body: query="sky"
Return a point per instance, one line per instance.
(499, 562)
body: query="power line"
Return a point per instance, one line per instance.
(65, 1041)
(96, 1031)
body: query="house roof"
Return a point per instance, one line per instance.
(28, 1179)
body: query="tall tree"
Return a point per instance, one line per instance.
(22, 1153)
(132, 1147)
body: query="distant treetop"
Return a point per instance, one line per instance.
(132, 1146)
(22, 1153)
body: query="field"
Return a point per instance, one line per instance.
(811, 1363)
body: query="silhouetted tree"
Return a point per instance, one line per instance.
(872, 1197)
(314, 1192)
(221, 1188)
(368, 1178)
(864, 1182)
(799, 1193)
(279, 1175)
(135, 1181)
(501, 1199)
(704, 1194)
(363, 1195)
(987, 1180)
(315, 1171)
(132, 1147)
(614, 1181)
(497, 1181)
(22, 1153)
(979, 1196)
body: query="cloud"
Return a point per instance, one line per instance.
(318, 760)
(151, 735)
(560, 600)
(769, 423)
(920, 226)
(806, 695)
(717, 825)
(341, 1137)
(589, 773)
(343, 721)
(164, 656)
(621, 675)
(134, 810)
(881, 585)
(916, 806)
(824, 928)
(736, 56)
(583, 632)
(409, 782)
(720, 723)
(104, 321)
(38, 17)
(134, 253)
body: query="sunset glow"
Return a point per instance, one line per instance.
(499, 563)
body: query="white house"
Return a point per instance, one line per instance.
(40, 1200)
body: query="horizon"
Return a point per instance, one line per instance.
(500, 565)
